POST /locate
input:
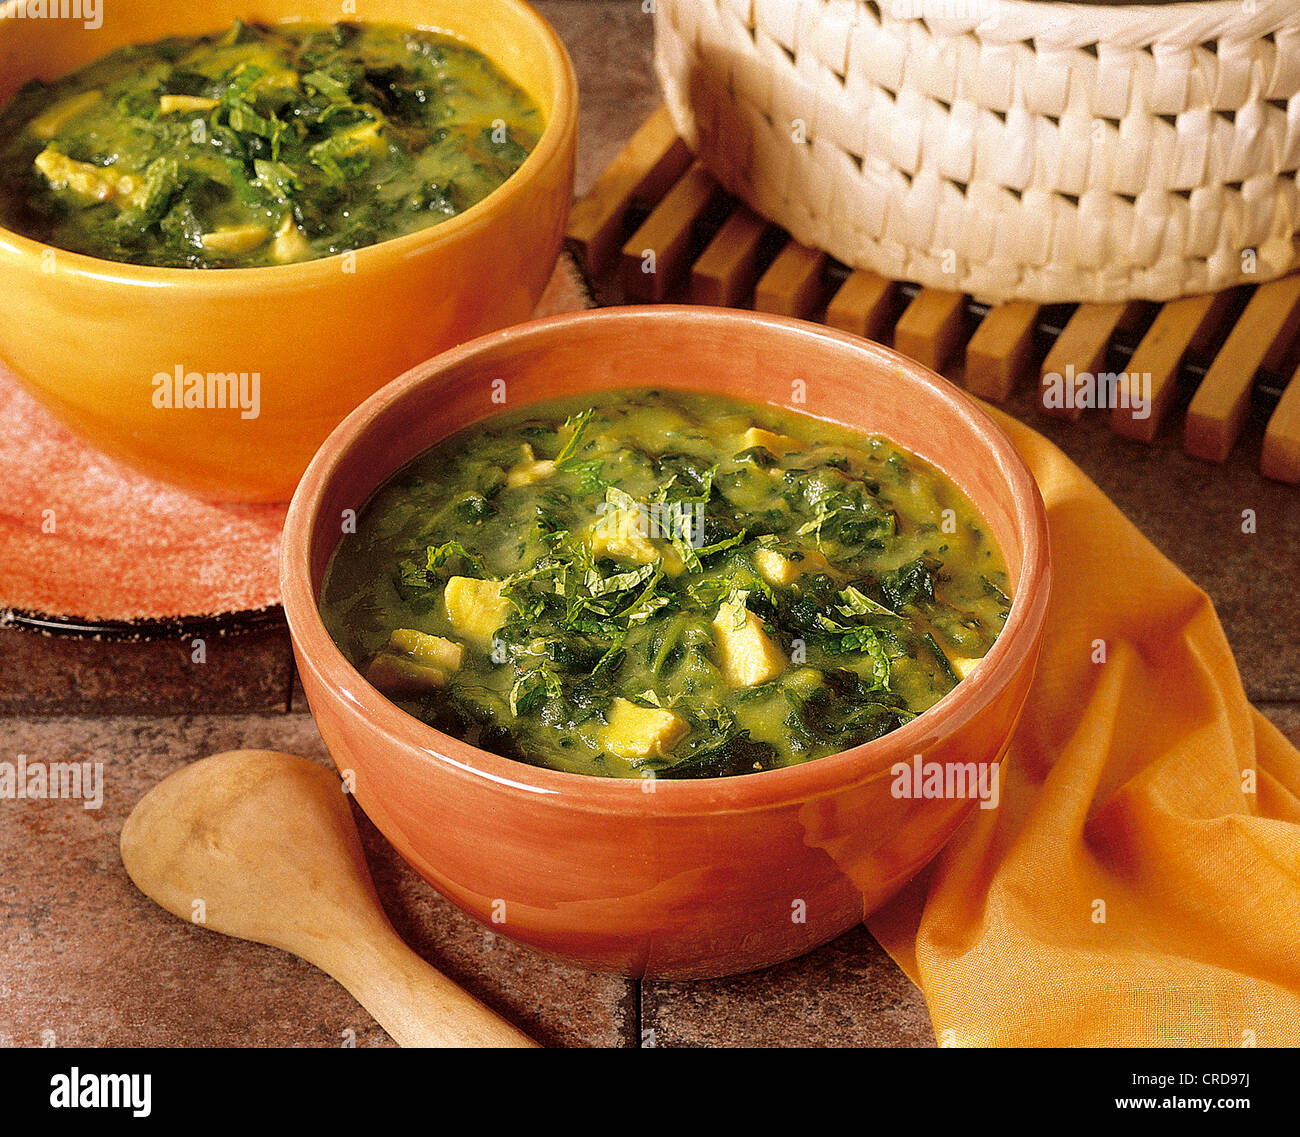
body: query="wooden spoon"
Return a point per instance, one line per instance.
(262, 845)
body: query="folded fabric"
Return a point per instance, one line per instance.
(1139, 883)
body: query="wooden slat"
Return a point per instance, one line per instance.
(644, 170)
(930, 330)
(1081, 349)
(862, 305)
(726, 272)
(1276, 360)
(667, 234)
(1181, 327)
(1281, 457)
(998, 353)
(794, 284)
(1218, 409)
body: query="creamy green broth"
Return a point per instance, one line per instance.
(260, 146)
(660, 583)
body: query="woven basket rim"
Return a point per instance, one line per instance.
(1217, 9)
(1077, 23)
(1161, 6)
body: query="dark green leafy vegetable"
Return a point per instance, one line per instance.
(260, 146)
(741, 614)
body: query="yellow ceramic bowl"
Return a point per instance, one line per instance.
(89, 336)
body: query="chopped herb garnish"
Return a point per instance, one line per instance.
(286, 143)
(671, 606)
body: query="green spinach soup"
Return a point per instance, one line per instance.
(656, 583)
(260, 146)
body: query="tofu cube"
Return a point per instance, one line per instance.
(778, 444)
(745, 653)
(475, 608)
(96, 183)
(289, 245)
(621, 534)
(413, 661)
(367, 137)
(636, 733)
(400, 675)
(777, 569)
(962, 665)
(235, 238)
(185, 104)
(432, 651)
(529, 470)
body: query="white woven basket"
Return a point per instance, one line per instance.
(1012, 149)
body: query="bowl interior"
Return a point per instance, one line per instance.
(786, 363)
(508, 32)
(859, 385)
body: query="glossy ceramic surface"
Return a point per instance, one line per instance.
(693, 878)
(88, 337)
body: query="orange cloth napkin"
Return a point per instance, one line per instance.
(1139, 883)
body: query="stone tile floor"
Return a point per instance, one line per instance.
(86, 960)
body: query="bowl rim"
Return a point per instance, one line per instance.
(316, 651)
(555, 141)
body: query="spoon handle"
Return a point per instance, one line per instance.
(413, 1001)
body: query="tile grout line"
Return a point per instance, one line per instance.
(638, 993)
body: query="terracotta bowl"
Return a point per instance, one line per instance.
(87, 336)
(696, 878)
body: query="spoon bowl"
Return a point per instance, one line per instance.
(262, 846)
